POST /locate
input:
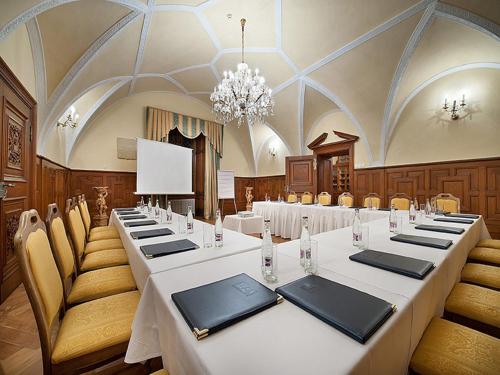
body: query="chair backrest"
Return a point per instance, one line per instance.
(41, 279)
(324, 198)
(84, 211)
(292, 197)
(374, 198)
(307, 198)
(346, 199)
(76, 230)
(400, 201)
(63, 253)
(446, 202)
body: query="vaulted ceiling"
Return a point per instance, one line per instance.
(364, 58)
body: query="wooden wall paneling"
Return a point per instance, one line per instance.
(301, 173)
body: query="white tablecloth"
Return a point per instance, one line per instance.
(286, 218)
(247, 225)
(285, 339)
(234, 243)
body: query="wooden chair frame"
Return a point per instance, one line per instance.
(345, 194)
(400, 195)
(30, 222)
(372, 195)
(70, 205)
(445, 196)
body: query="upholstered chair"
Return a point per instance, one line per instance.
(324, 198)
(400, 201)
(307, 198)
(346, 199)
(96, 254)
(84, 337)
(292, 197)
(446, 202)
(89, 285)
(96, 233)
(374, 198)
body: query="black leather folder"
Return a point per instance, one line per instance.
(463, 216)
(437, 243)
(125, 213)
(440, 228)
(125, 209)
(167, 248)
(140, 223)
(383, 209)
(133, 217)
(358, 207)
(452, 220)
(411, 267)
(354, 313)
(151, 233)
(212, 307)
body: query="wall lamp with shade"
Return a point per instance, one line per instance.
(455, 109)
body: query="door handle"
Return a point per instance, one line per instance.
(3, 188)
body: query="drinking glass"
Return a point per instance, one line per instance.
(311, 261)
(364, 243)
(182, 225)
(139, 205)
(399, 225)
(208, 235)
(270, 263)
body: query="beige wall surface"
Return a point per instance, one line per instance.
(425, 133)
(15, 50)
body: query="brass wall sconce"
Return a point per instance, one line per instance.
(455, 109)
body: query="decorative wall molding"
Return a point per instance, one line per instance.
(300, 116)
(39, 62)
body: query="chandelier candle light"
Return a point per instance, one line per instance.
(243, 94)
(455, 109)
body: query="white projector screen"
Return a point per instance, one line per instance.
(163, 168)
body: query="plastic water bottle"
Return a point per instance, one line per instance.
(189, 221)
(157, 209)
(169, 213)
(218, 230)
(150, 207)
(393, 219)
(267, 249)
(412, 213)
(356, 229)
(305, 240)
(142, 204)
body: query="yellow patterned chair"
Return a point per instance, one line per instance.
(482, 275)
(346, 199)
(400, 201)
(83, 337)
(446, 202)
(307, 198)
(485, 255)
(475, 307)
(96, 254)
(89, 285)
(96, 233)
(324, 198)
(374, 198)
(292, 197)
(494, 244)
(451, 349)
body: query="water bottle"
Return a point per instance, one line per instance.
(218, 230)
(267, 248)
(189, 221)
(150, 207)
(412, 213)
(370, 206)
(169, 213)
(356, 229)
(415, 203)
(142, 204)
(393, 219)
(157, 209)
(305, 240)
(428, 208)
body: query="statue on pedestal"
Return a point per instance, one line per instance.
(249, 197)
(101, 215)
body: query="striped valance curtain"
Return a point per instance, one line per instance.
(160, 122)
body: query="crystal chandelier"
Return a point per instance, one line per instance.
(242, 94)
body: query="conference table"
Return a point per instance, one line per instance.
(233, 243)
(286, 339)
(286, 218)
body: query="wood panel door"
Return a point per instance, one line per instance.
(301, 173)
(17, 129)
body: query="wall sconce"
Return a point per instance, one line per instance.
(455, 109)
(273, 150)
(71, 119)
